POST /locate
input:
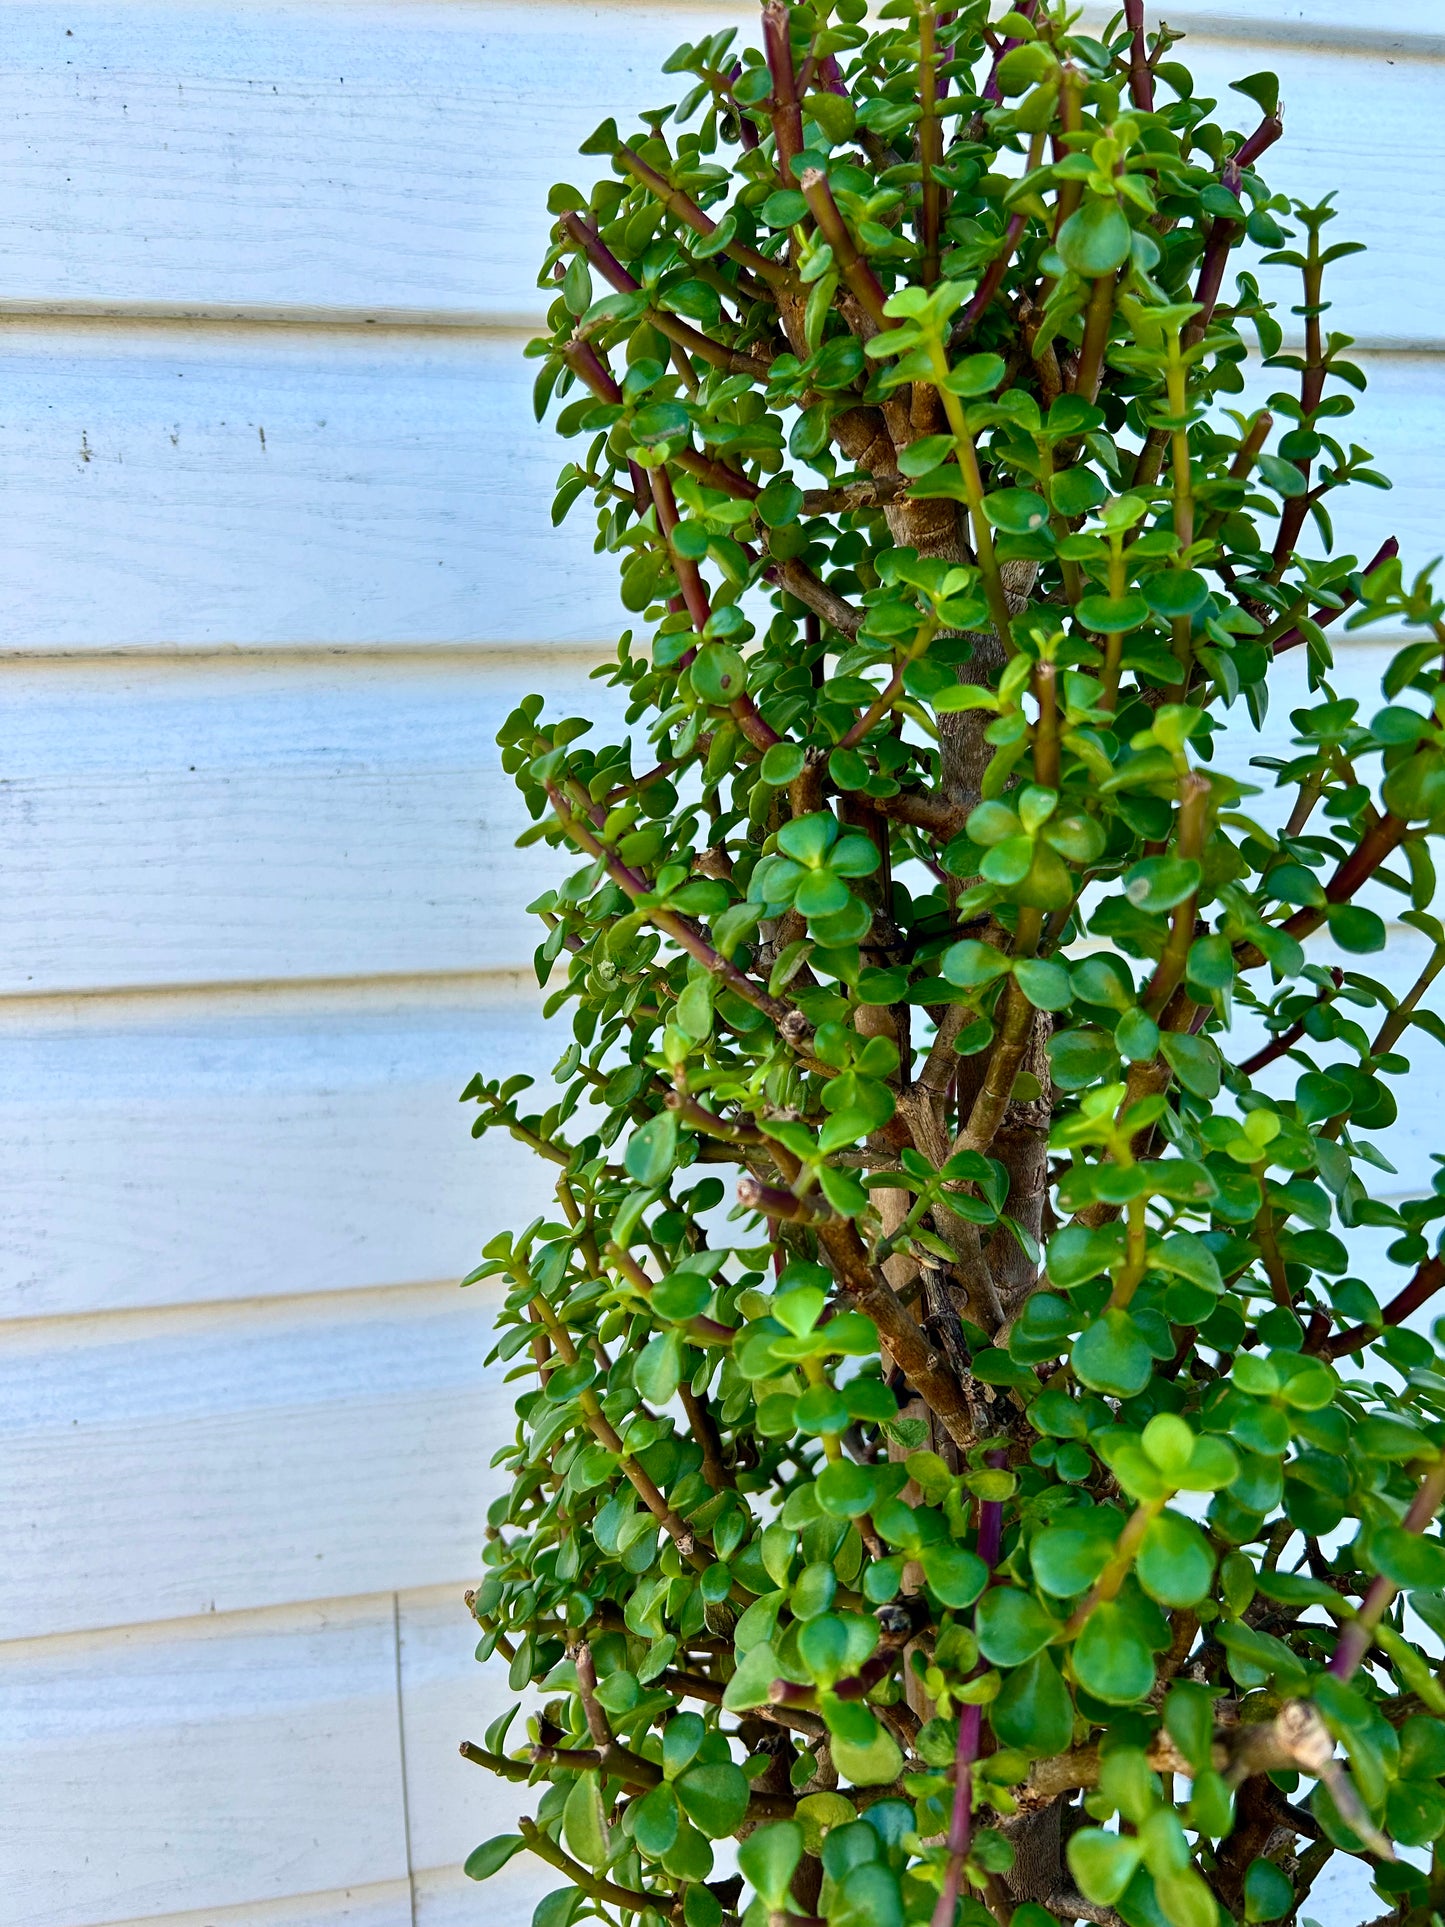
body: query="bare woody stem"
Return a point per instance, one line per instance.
(1106, 1586)
(1097, 321)
(1398, 1021)
(707, 1330)
(998, 267)
(1282, 1045)
(992, 1101)
(625, 1897)
(1194, 793)
(967, 456)
(1292, 638)
(1225, 233)
(688, 211)
(689, 577)
(1312, 386)
(1356, 870)
(903, 1340)
(605, 1433)
(716, 353)
(1046, 730)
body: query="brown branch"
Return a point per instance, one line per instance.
(924, 810)
(790, 1023)
(992, 1101)
(625, 1897)
(697, 1118)
(901, 1338)
(1285, 1042)
(799, 580)
(930, 145)
(716, 353)
(1358, 1636)
(773, 1201)
(688, 211)
(850, 496)
(855, 271)
(1357, 869)
(705, 1431)
(516, 1770)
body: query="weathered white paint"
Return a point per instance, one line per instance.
(213, 1763)
(391, 159)
(187, 1150)
(217, 486)
(1406, 26)
(237, 822)
(167, 1464)
(386, 1903)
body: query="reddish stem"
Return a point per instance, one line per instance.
(1358, 1636)
(1292, 638)
(1141, 76)
(787, 115)
(1422, 1287)
(970, 1728)
(990, 91)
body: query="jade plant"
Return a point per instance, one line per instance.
(977, 1454)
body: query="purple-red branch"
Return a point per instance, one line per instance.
(1141, 74)
(991, 88)
(787, 115)
(970, 1729)
(1225, 232)
(1428, 1279)
(1292, 638)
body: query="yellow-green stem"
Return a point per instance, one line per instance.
(967, 455)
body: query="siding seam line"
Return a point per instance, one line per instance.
(401, 1749)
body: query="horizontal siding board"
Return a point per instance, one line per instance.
(215, 486)
(219, 821)
(165, 1465)
(164, 1151)
(391, 158)
(218, 1763)
(401, 495)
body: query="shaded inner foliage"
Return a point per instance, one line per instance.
(959, 1458)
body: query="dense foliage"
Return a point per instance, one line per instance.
(959, 1457)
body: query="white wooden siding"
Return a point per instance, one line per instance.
(194, 1149)
(277, 560)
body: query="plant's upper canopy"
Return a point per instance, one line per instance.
(1039, 1440)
